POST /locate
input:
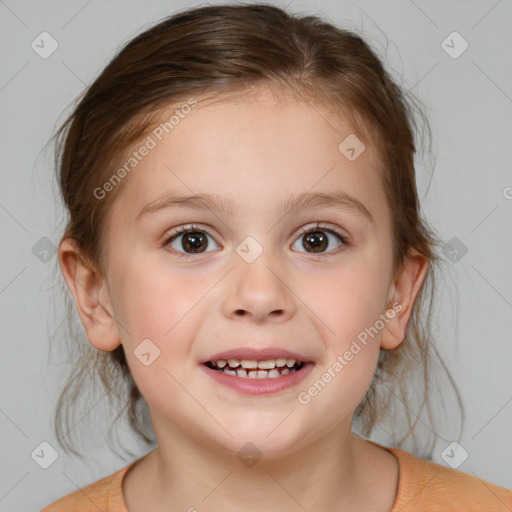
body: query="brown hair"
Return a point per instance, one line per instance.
(208, 52)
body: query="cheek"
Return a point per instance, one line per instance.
(152, 302)
(349, 300)
(156, 311)
(165, 308)
(348, 306)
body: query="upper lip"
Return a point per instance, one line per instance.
(253, 354)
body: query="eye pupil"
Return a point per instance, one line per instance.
(317, 240)
(193, 240)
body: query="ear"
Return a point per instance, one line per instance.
(402, 293)
(91, 296)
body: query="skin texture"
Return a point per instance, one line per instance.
(257, 152)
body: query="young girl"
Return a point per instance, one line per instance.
(246, 253)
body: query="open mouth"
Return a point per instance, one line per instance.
(269, 369)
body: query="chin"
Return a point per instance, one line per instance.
(253, 442)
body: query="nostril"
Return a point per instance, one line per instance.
(276, 312)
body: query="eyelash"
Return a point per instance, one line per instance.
(319, 226)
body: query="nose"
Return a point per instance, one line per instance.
(258, 292)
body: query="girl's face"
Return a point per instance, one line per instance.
(256, 273)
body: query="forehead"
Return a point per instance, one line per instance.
(253, 150)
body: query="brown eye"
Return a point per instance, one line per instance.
(319, 241)
(194, 242)
(190, 241)
(316, 240)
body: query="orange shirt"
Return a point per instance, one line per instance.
(422, 487)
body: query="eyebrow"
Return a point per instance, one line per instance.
(338, 199)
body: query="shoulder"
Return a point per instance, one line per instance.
(105, 495)
(428, 486)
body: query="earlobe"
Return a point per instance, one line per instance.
(91, 297)
(403, 292)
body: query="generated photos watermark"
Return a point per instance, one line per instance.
(151, 141)
(342, 360)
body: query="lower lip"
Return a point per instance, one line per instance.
(253, 386)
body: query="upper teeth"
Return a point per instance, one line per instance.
(268, 364)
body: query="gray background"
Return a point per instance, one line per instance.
(469, 102)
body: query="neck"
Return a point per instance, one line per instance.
(320, 476)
